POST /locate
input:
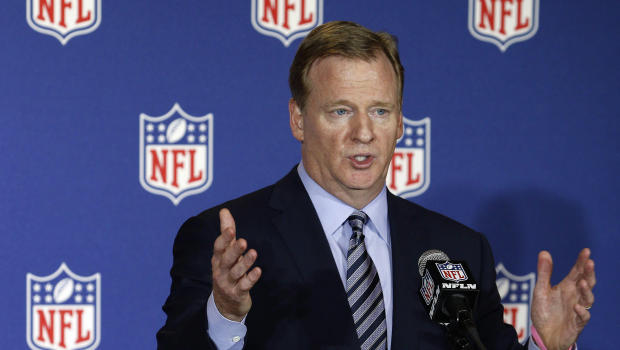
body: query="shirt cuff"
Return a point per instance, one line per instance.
(226, 334)
(536, 342)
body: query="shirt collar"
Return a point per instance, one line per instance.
(333, 212)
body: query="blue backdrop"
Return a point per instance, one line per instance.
(524, 144)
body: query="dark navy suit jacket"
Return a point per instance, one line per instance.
(299, 302)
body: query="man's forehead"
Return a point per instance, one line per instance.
(376, 56)
(331, 66)
(348, 71)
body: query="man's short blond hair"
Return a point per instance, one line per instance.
(346, 39)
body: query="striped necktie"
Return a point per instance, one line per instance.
(364, 289)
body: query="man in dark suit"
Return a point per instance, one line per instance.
(338, 253)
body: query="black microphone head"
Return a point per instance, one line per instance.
(432, 254)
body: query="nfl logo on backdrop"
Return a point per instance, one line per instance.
(63, 19)
(176, 153)
(504, 22)
(516, 294)
(452, 272)
(410, 169)
(286, 20)
(63, 310)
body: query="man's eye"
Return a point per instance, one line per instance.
(380, 112)
(340, 112)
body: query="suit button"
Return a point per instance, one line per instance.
(236, 339)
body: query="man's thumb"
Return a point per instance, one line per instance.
(545, 267)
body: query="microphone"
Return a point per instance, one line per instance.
(449, 293)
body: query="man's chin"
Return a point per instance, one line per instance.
(364, 179)
(361, 186)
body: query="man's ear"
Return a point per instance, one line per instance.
(400, 126)
(296, 120)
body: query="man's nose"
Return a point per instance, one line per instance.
(362, 128)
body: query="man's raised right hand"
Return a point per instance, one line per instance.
(230, 266)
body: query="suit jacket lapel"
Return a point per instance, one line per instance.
(301, 230)
(408, 242)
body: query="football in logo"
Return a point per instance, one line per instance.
(63, 310)
(410, 169)
(516, 294)
(503, 23)
(176, 154)
(286, 20)
(63, 19)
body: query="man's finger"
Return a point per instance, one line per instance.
(247, 282)
(578, 269)
(228, 232)
(222, 242)
(583, 315)
(545, 267)
(243, 264)
(227, 225)
(232, 253)
(589, 274)
(586, 295)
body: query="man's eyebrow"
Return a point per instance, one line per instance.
(383, 104)
(338, 103)
(349, 103)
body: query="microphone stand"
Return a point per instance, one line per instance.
(458, 339)
(462, 329)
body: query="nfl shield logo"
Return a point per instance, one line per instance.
(516, 294)
(427, 288)
(503, 23)
(410, 169)
(176, 153)
(63, 310)
(286, 20)
(63, 19)
(452, 272)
